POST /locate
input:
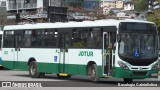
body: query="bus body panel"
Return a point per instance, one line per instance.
(0, 58)
(48, 60)
(121, 73)
(8, 57)
(74, 61)
(0, 62)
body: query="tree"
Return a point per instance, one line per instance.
(155, 17)
(3, 17)
(111, 12)
(141, 5)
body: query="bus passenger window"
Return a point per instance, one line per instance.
(27, 38)
(94, 38)
(8, 39)
(79, 38)
(50, 38)
(37, 37)
(91, 41)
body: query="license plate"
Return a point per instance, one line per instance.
(154, 74)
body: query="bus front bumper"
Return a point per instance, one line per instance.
(121, 73)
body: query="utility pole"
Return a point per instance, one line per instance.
(62, 3)
(49, 5)
(3, 17)
(17, 14)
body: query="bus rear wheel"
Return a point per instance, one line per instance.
(128, 80)
(1, 68)
(33, 71)
(94, 73)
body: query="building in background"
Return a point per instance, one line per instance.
(3, 14)
(155, 4)
(36, 10)
(109, 5)
(119, 4)
(54, 2)
(29, 10)
(106, 5)
(2, 3)
(91, 4)
(128, 5)
(128, 10)
(74, 3)
(78, 10)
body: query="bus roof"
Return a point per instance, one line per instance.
(97, 23)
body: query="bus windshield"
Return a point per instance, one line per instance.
(138, 46)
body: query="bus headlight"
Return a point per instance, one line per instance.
(155, 66)
(122, 65)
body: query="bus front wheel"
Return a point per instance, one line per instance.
(33, 71)
(94, 73)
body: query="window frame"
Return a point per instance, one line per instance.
(13, 40)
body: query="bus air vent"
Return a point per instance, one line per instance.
(139, 73)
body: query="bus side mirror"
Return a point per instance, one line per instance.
(118, 38)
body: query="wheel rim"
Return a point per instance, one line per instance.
(33, 69)
(93, 74)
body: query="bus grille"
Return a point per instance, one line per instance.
(140, 63)
(139, 73)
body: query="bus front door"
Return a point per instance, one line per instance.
(63, 43)
(18, 39)
(107, 54)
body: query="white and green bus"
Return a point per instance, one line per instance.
(1, 33)
(125, 49)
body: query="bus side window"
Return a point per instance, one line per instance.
(37, 37)
(27, 38)
(95, 38)
(99, 39)
(91, 41)
(8, 39)
(114, 40)
(50, 38)
(79, 37)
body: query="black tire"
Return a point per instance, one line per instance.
(128, 80)
(33, 71)
(1, 68)
(94, 73)
(42, 75)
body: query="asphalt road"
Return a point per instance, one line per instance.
(51, 80)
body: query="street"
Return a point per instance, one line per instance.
(51, 80)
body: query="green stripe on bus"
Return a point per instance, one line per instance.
(74, 69)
